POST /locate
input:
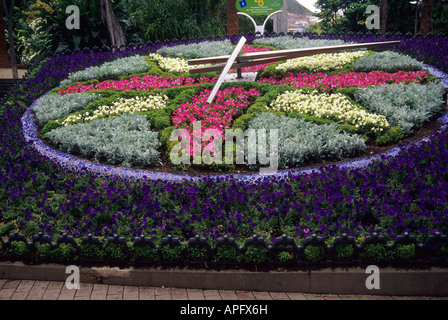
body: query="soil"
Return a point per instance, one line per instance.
(371, 151)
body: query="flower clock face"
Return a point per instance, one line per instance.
(147, 111)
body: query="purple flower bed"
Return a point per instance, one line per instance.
(406, 193)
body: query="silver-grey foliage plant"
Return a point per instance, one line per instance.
(113, 69)
(387, 61)
(54, 106)
(197, 50)
(406, 105)
(126, 140)
(301, 141)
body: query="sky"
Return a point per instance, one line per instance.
(309, 4)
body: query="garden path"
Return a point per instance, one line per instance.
(53, 290)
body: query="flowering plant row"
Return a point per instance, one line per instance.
(325, 82)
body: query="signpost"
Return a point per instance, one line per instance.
(259, 7)
(251, 8)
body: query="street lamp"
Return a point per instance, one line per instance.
(415, 2)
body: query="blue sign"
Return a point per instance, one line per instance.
(243, 3)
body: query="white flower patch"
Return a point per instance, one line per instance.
(322, 62)
(175, 65)
(119, 107)
(330, 106)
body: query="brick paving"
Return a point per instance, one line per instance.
(53, 290)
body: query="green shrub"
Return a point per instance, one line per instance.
(172, 253)
(314, 253)
(254, 254)
(43, 250)
(389, 136)
(91, 250)
(375, 252)
(344, 251)
(20, 247)
(404, 252)
(64, 252)
(115, 251)
(145, 252)
(226, 254)
(51, 125)
(197, 253)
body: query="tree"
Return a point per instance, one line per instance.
(114, 29)
(4, 58)
(383, 16)
(425, 26)
(232, 18)
(8, 12)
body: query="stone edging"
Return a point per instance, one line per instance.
(428, 282)
(72, 163)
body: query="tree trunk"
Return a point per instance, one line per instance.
(383, 16)
(12, 50)
(232, 18)
(4, 58)
(114, 29)
(425, 26)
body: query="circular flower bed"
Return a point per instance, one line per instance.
(326, 107)
(390, 196)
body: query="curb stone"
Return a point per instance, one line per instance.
(397, 282)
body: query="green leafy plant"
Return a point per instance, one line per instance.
(172, 253)
(91, 250)
(115, 251)
(197, 253)
(64, 252)
(20, 247)
(344, 251)
(145, 252)
(254, 254)
(314, 253)
(375, 252)
(226, 254)
(404, 252)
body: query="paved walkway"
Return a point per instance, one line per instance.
(7, 73)
(52, 290)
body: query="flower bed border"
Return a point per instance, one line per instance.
(255, 254)
(69, 162)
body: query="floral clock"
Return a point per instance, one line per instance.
(117, 119)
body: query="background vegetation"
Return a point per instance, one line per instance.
(39, 25)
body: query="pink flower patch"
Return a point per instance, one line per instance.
(216, 116)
